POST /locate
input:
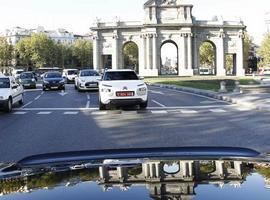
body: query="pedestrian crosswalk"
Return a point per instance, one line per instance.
(96, 112)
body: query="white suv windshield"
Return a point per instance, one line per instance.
(117, 76)
(4, 83)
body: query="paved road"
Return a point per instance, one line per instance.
(57, 121)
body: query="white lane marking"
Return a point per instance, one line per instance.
(100, 113)
(198, 95)
(30, 102)
(42, 93)
(193, 107)
(158, 103)
(44, 113)
(207, 102)
(243, 109)
(129, 112)
(56, 109)
(71, 113)
(88, 97)
(87, 104)
(37, 97)
(189, 111)
(159, 111)
(19, 113)
(156, 92)
(32, 90)
(218, 110)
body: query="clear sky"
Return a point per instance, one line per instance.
(77, 15)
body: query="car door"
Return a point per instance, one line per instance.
(15, 90)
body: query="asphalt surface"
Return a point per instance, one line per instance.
(60, 121)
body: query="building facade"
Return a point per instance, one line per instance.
(60, 35)
(169, 21)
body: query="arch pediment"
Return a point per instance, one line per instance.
(160, 3)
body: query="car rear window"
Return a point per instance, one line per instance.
(53, 75)
(117, 76)
(89, 73)
(4, 83)
(26, 75)
(72, 72)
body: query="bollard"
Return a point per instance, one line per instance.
(222, 87)
(237, 87)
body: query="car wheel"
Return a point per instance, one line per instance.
(102, 106)
(8, 106)
(21, 101)
(144, 105)
(44, 89)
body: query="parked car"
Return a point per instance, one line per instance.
(11, 93)
(87, 80)
(53, 80)
(122, 87)
(17, 72)
(28, 80)
(70, 75)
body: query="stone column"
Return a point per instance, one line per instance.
(145, 168)
(158, 170)
(148, 52)
(189, 54)
(115, 53)
(220, 68)
(96, 53)
(154, 66)
(238, 169)
(240, 55)
(220, 168)
(142, 63)
(103, 173)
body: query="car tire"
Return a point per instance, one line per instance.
(44, 89)
(144, 105)
(8, 106)
(102, 106)
(21, 101)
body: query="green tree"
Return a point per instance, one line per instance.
(264, 51)
(247, 45)
(82, 50)
(207, 55)
(42, 50)
(23, 50)
(6, 52)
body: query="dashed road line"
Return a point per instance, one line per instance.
(217, 110)
(100, 113)
(19, 113)
(87, 104)
(30, 102)
(71, 113)
(44, 113)
(37, 97)
(189, 111)
(158, 103)
(88, 97)
(159, 111)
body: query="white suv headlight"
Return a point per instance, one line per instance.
(142, 91)
(81, 80)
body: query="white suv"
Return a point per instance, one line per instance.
(122, 87)
(10, 93)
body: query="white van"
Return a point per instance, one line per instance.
(70, 75)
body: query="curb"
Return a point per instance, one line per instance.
(210, 94)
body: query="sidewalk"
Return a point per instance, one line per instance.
(259, 101)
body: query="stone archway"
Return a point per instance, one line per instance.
(130, 56)
(207, 58)
(168, 58)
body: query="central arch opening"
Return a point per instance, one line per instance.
(207, 53)
(131, 56)
(169, 58)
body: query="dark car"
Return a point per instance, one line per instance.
(169, 173)
(28, 80)
(53, 80)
